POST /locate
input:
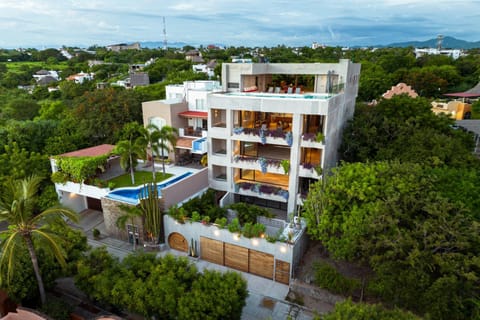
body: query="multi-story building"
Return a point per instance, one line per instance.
(268, 141)
(184, 108)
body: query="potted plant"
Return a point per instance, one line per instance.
(285, 165)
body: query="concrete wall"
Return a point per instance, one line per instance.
(73, 201)
(195, 230)
(187, 187)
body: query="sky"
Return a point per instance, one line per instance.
(250, 23)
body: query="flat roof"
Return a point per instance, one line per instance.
(470, 125)
(306, 96)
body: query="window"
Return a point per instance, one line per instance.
(157, 121)
(233, 85)
(199, 104)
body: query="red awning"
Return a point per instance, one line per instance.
(194, 114)
(463, 95)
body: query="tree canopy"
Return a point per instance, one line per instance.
(401, 220)
(406, 129)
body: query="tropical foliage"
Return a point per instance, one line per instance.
(165, 288)
(403, 221)
(29, 229)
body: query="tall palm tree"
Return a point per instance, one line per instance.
(151, 138)
(26, 228)
(167, 140)
(129, 151)
(130, 213)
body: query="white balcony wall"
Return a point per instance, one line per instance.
(82, 189)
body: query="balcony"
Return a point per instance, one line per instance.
(260, 163)
(264, 136)
(313, 140)
(262, 190)
(310, 170)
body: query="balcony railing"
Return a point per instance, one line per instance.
(310, 170)
(260, 163)
(262, 190)
(265, 134)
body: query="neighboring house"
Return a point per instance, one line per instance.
(455, 109)
(194, 56)
(208, 68)
(80, 77)
(124, 46)
(400, 88)
(44, 77)
(454, 53)
(138, 79)
(251, 134)
(184, 108)
(80, 196)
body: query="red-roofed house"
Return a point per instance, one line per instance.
(400, 88)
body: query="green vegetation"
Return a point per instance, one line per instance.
(141, 177)
(329, 278)
(30, 230)
(363, 311)
(165, 288)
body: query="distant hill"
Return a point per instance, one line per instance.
(448, 43)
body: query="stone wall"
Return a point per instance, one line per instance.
(111, 213)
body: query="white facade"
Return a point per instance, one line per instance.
(194, 93)
(249, 134)
(454, 53)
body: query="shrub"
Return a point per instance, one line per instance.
(221, 222)
(329, 278)
(57, 309)
(196, 216)
(234, 226)
(96, 233)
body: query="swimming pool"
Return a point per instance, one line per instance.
(309, 96)
(132, 195)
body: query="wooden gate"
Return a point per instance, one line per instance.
(236, 257)
(178, 242)
(211, 250)
(261, 264)
(282, 271)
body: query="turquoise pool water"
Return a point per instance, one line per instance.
(132, 195)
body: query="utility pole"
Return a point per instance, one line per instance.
(164, 35)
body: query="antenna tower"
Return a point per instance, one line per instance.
(439, 42)
(164, 35)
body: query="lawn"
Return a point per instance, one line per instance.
(141, 177)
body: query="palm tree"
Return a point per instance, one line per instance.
(18, 208)
(167, 140)
(151, 138)
(129, 151)
(130, 214)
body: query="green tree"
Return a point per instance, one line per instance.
(18, 208)
(397, 218)
(363, 311)
(167, 137)
(151, 138)
(131, 214)
(405, 129)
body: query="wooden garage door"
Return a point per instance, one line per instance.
(236, 257)
(211, 250)
(178, 242)
(261, 264)
(282, 271)
(94, 204)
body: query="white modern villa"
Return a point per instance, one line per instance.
(268, 143)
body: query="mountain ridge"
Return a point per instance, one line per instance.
(447, 43)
